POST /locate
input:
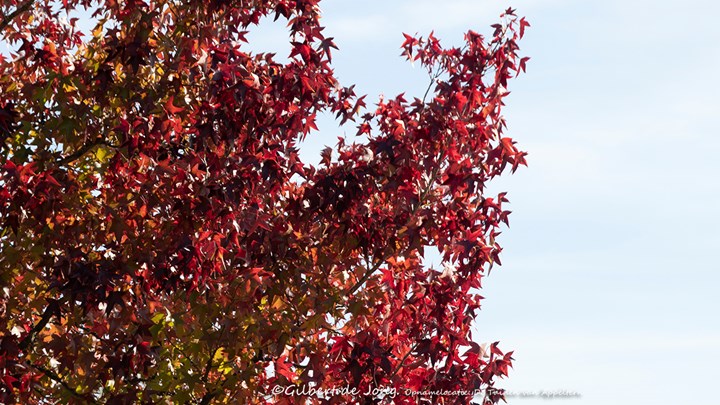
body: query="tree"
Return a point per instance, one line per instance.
(162, 241)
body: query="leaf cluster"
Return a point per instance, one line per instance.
(161, 240)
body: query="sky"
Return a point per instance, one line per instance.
(609, 281)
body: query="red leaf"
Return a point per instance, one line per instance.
(523, 25)
(282, 368)
(171, 108)
(523, 61)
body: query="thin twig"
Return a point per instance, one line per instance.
(402, 361)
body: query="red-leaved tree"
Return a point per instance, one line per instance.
(161, 241)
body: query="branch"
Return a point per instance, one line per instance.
(432, 81)
(402, 361)
(423, 195)
(77, 154)
(190, 360)
(21, 9)
(83, 150)
(209, 365)
(208, 397)
(364, 278)
(50, 310)
(205, 400)
(51, 375)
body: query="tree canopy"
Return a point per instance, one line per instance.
(161, 241)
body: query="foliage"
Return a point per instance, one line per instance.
(162, 242)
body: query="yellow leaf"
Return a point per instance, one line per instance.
(101, 153)
(69, 87)
(219, 355)
(221, 358)
(278, 303)
(118, 70)
(97, 32)
(225, 369)
(158, 317)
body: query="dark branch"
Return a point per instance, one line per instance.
(208, 397)
(209, 365)
(83, 150)
(51, 375)
(21, 9)
(401, 363)
(50, 310)
(364, 278)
